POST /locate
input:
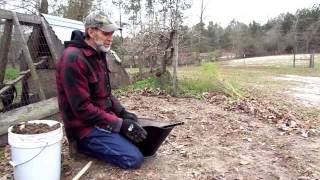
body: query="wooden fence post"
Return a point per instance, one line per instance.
(310, 61)
(294, 59)
(4, 47)
(28, 57)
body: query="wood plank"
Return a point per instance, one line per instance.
(27, 55)
(25, 96)
(15, 81)
(24, 18)
(5, 44)
(82, 171)
(34, 111)
(40, 62)
(25, 72)
(9, 84)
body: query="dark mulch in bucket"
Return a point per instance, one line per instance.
(33, 128)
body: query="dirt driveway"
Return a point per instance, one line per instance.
(304, 89)
(213, 144)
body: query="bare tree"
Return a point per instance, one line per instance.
(176, 51)
(3, 2)
(119, 4)
(201, 27)
(76, 9)
(310, 35)
(272, 39)
(27, 6)
(44, 7)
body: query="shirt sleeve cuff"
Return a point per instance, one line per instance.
(118, 125)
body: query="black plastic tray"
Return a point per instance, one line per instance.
(157, 133)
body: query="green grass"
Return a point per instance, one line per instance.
(192, 81)
(11, 74)
(206, 78)
(235, 81)
(256, 81)
(150, 83)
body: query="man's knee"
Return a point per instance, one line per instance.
(133, 162)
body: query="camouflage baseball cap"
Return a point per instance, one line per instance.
(100, 20)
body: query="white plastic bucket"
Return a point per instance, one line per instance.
(36, 156)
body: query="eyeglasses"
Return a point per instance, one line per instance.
(106, 33)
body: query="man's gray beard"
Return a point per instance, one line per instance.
(101, 47)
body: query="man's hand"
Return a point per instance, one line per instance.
(133, 130)
(128, 115)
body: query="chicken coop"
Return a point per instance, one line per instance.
(30, 47)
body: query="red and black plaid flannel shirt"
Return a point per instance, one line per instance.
(84, 92)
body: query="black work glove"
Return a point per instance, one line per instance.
(132, 130)
(128, 115)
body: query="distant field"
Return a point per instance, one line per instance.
(276, 61)
(272, 77)
(277, 64)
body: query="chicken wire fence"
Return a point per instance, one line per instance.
(18, 89)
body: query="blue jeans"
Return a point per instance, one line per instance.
(112, 148)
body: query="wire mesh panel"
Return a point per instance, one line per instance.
(17, 88)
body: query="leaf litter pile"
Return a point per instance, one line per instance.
(221, 139)
(285, 119)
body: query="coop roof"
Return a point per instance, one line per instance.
(63, 27)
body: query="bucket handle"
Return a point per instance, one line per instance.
(13, 164)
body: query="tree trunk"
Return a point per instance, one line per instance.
(164, 63)
(176, 52)
(140, 64)
(43, 7)
(175, 62)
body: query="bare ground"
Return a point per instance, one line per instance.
(304, 89)
(214, 143)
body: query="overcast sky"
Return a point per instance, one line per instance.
(223, 11)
